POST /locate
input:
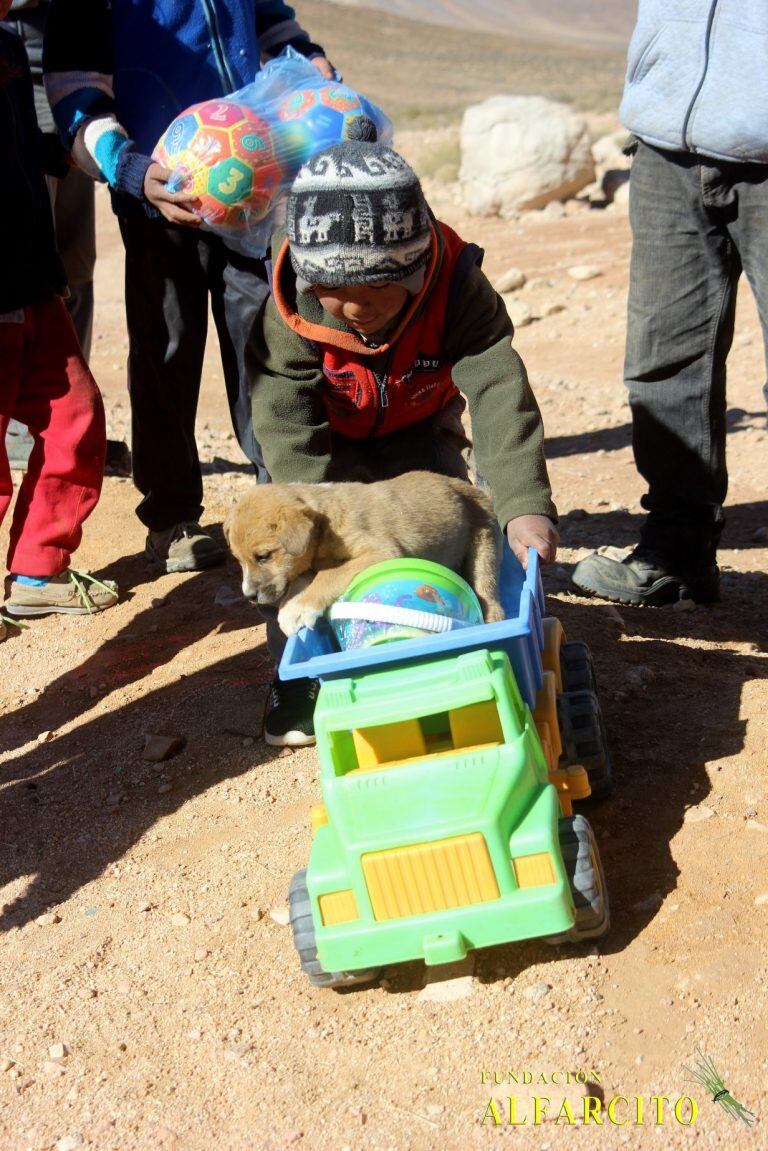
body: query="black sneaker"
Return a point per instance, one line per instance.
(289, 712)
(647, 578)
(185, 547)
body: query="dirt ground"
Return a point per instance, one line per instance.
(137, 898)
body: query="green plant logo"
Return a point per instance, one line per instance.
(710, 1079)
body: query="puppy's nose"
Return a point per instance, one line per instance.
(250, 589)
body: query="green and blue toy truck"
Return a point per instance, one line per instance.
(449, 766)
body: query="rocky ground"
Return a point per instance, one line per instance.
(151, 995)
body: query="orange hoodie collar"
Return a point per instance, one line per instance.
(348, 340)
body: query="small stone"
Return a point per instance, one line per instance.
(164, 788)
(583, 272)
(510, 281)
(180, 919)
(640, 675)
(6, 1065)
(93, 692)
(550, 308)
(684, 605)
(161, 747)
(762, 899)
(760, 536)
(44, 736)
(650, 903)
(145, 905)
(195, 1034)
(753, 825)
(70, 1142)
(201, 954)
(115, 798)
(435, 1109)
(698, 814)
(615, 615)
(537, 990)
(48, 919)
(248, 741)
(52, 1068)
(256, 913)
(284, 752)
(554, 210)
(226, 596)
(280, 915)
(292, 1137)
(58, 1051)
(86, 992)
(519, 313)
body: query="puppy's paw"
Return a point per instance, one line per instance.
(494, 612)
(297, 613)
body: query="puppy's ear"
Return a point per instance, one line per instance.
(296, 529)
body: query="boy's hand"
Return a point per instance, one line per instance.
(169, 204)
(538, 532)
(324, 67)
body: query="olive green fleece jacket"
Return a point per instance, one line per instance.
(291, 423)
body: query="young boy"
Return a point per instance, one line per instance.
(379, 318)
(44, 381)
(117, 72)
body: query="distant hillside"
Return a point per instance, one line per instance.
(599, 23)
(427, 74)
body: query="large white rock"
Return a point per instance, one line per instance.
(520, 152)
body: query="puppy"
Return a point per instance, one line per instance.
(300, 545)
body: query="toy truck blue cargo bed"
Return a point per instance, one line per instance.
(314, 653)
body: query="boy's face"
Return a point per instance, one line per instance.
(367, 308)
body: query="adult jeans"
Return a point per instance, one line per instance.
(696, 224)
(170, 272)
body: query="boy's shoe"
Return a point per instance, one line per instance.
(647, 578)
(289, 712)
(184, 548)
(69, 593)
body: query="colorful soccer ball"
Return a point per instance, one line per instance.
(318, 117)
(224, 154)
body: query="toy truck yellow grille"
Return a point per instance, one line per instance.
(429, 877)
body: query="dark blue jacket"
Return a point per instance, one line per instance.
(145, 61)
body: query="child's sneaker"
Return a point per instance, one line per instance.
(69, 593)
(184, 548)
(290, 711)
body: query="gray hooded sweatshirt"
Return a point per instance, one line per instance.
(697, 77)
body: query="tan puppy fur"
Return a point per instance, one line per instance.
(300, 545)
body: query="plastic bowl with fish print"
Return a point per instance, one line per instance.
(402, 599)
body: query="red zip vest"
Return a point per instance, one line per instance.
(414, 381)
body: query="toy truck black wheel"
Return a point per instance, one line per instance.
(587, 881)
(577, 668)
(303, 928)
(584, 742)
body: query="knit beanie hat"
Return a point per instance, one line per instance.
(356, 214)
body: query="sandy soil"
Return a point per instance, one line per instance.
(136, 898)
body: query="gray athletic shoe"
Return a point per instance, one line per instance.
(647, 578)
(184, 548)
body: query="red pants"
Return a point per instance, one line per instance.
(46, 384)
